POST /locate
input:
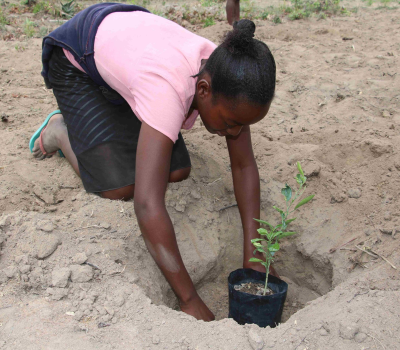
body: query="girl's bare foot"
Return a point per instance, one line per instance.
(51, 137)
(196, 308)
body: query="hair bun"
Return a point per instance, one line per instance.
(245, 27)
(240, 40)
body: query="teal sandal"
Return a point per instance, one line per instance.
(38, 134)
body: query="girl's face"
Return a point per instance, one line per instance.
(220, 117)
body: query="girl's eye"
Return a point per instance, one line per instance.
(229, 126)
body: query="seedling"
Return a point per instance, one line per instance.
(68, 9)
(268, 245)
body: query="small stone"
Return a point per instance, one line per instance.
(133, 278)
(81, 328)
(387, 216)
(379, 147)
(360, 337)
(37, 272)
(23, 259)
(105, 225)
(348, 330)
(354, 193)
(109, 309)
(386, 230)
(323, 332)
(338, 197)
(114, 320)
(11, 271)
(78, 315)
(58, 293)
(60, 277)
(119, 300)
(312, 169)
(386, 114)
(25, 269)
(3, 277)
(79, 258)
(156, 339)
(25, 278)
(368, 231)
(102, 311)
(81, 273)
(46, 226)
(180, 208)
(255, 340)
(105, 318)
(195, 194)
(47, 246)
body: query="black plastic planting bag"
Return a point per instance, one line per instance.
(261, 310)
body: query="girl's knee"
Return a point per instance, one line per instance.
(124, 193)
(179, 175)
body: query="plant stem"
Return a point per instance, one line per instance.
(266, 278)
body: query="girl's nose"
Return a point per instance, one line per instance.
(235, 130)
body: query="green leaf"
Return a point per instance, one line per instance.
(265, 223)
(304, 201)
(273, 247)
(300, 169)
(283, 215)
(285, 234)
(257, 240)
(289, 221)
(287, 192)
(299, 179)
(262, 231)
(275, 234)
(256, 260)
(257, 245)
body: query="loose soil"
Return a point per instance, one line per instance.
(253, 288)
(72, 262)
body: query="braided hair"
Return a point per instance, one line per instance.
(242, 67)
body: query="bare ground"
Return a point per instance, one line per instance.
(337, 110)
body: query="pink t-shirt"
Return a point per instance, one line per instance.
(150, 62)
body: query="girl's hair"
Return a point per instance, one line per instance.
(242, 67)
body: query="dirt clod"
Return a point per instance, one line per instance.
(47, 245)
(81, 273)
(60, 277)
(348, 330)
(354, 193)
(255, 340)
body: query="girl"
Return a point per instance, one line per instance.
(126, 81)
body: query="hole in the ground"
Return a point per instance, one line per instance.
(308, 277)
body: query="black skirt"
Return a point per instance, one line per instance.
(103, 136)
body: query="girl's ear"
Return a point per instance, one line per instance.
(203, 88)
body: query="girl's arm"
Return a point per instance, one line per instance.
(246, 183)
(153, 160)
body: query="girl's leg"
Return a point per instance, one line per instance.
(127, 192)
(55, 137)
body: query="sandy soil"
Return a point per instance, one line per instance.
(71, 262)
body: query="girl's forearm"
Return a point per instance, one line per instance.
(246, 182)
(158, 233)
